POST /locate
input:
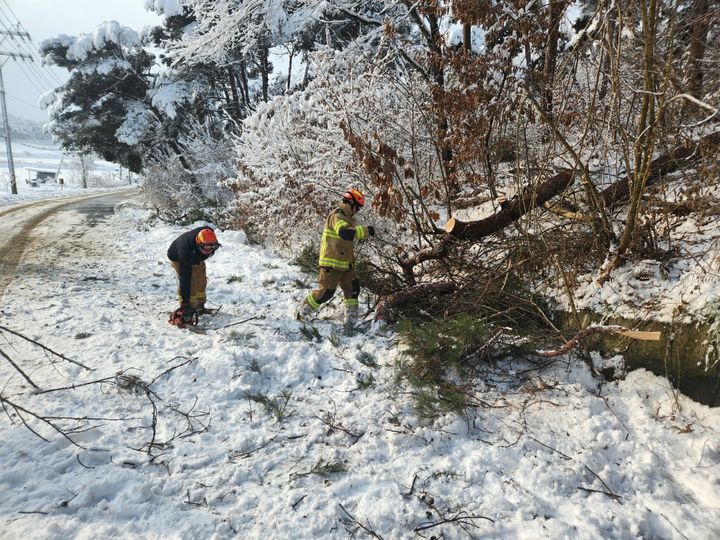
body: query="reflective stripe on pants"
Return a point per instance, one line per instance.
(330, 278)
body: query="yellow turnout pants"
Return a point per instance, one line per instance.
(198, 283)
(328, 280)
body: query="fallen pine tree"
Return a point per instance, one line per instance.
(388, 303)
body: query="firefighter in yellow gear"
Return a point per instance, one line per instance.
(336, 258)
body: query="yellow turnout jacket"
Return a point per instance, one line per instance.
(335, 252)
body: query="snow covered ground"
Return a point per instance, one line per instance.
(264, 429)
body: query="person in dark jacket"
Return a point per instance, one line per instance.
(187, 255)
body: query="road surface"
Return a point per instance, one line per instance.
(40, 232)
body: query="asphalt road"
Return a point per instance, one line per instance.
(19, 223)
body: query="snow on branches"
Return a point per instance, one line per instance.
(78, 48)
(227, 26)
(167, 8)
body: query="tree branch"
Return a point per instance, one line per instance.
(43, 347)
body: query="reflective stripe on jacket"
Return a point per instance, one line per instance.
(334, 251)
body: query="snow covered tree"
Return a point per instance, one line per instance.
(108, 77)
(117, 105)
(237, 37)
(435, 109)
(445, 107)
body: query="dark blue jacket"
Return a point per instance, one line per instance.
(184, 251)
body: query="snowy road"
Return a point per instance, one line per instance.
(31, 229)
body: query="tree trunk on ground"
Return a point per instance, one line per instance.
(512, 211)
(682, 156)
(475, 230)
(390, 302)
(519, 206)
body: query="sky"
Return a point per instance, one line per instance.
(43, 19)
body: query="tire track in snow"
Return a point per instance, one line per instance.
(14, 242)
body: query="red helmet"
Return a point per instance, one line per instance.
(206, 239)
(356, 196)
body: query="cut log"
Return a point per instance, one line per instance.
(642, 336)
(513, 209)
(613, 329)
(450, 225)
(529, 199)
(618, 192)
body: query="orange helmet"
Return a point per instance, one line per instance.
(356, 196)
(207, 239)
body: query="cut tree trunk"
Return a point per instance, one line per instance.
(512, 211)
(591, 330)
(530, 199)
(616, 193)
(474, 230)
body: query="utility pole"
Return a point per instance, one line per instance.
(84, 170)
(8, 143)
(57, 172)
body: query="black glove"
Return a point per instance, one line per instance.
(185, 313)
(371, 230)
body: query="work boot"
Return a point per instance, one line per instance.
(303, 312)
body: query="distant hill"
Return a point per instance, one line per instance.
(23, 129)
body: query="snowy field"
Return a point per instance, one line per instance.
(263, 428)
(29, 156)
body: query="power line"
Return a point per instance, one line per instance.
(31, 145)
(39, 80)
(10, 10)
(39, 89)
(21, 45)
(13, 34)
(40, 74)
(21, 100)
(34, 48)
